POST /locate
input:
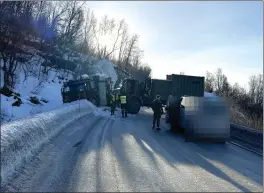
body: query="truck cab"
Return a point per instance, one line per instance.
(80, 89)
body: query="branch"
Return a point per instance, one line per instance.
(118, 34)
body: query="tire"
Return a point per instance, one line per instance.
(94, 101)
(134, 105)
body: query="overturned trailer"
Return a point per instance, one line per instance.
(205, 118)
(95, 89)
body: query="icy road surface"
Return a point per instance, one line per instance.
(99, 153)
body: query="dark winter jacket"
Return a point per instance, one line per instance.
(157, 107)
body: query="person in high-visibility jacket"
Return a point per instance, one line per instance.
(112, 104)
(123, 102)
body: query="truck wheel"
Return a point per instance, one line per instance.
(133, 105)
(94, 102)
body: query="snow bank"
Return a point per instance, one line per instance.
(20, 139)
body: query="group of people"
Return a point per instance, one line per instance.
(172, 111)
(118, 101)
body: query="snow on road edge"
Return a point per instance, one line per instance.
(21, 138)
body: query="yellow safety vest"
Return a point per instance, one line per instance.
(116, 97)
(123, 99)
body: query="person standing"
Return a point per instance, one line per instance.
(112, 104)
(158, 111)
(169, 106)
(117, 99)
(174, 112)
(123, 102)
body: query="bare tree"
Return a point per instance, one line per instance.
(226, 89)
(253, 83)
(236, 92)
(131, 46)
(55, 30)
(120, 29)
(89, 35)
(220, 79)
(13, 32)
(73, 22)
(209, 82)
(113, 31)
(86, 45)
(123, 44)
(259, 90)
(136, 57)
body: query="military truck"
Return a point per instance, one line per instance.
(142, 93)
(95, 89)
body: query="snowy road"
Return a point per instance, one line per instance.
(112, 154)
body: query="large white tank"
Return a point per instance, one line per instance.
(205, 117)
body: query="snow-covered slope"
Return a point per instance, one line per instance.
(46, 90)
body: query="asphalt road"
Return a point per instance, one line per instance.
(114, 154)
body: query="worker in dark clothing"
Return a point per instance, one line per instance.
(158, 111)
(117, 99)
(112, 104)
(174, 112)
(174, 116)
(171, 102)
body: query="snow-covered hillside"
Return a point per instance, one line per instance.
(42, 94)
(36, 95)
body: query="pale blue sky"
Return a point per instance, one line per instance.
(194, 36)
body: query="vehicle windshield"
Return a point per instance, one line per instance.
(77, 87)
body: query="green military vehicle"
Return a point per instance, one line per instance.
(142, 93)
(94, 89)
